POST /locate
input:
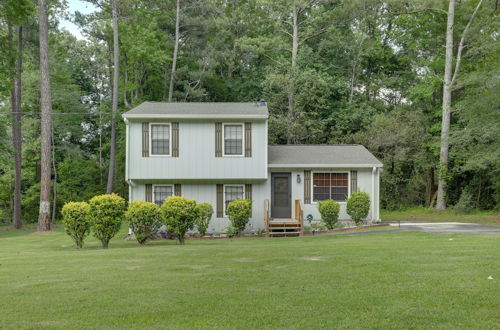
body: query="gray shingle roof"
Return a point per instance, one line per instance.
(198, 110)
(349, 155)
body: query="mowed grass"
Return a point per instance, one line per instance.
(431, 215)
(383, 280)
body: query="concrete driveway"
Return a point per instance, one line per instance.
(446, 227)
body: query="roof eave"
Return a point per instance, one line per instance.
(324, 165)
(191, 116)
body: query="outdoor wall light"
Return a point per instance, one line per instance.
(298, 178)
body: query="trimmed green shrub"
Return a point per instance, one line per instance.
(179, 215)
(239, 213)
(106, 213)
(204, 211)
(329, 211)
(144, 219)
(358, 206)
(76, 220)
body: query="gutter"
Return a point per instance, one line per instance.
(192, 116)
(324, 165)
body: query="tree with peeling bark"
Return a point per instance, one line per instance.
(46, 119)
(450, 76)
(114, 102)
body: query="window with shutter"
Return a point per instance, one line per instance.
(175, 139)
(220, 200)
(248, 139)
(307, 187)
(145, 139)
(218, 139)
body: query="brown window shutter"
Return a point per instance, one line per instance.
(354, 181)
(307, 187)
(248, 191)
(220, 201)
(248, 139)
(145, 139)
(218, 139)
(177, 189)
(175, 139)
(149, 193)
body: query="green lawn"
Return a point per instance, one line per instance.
(384, 280)
(432, 215)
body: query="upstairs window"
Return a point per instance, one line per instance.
(160, 139)
(160, 193)
(233, 139)
(330, 186)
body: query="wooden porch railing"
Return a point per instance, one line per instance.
(299, 215)
(266, 216)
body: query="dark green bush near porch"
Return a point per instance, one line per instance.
(76, 220)
(144, 220)
(179, 215)
(358, 206)
(239, 213)
(204, 212)
(329, 211)
(106, 216)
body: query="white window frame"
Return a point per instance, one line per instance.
(242, 139)
(151, 140)
(348, 184)
(160, 185)
(224, 194)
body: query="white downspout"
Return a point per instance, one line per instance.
(374, 170)
(127, 128)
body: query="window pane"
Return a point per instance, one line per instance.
(161, 193)
(332, 186)
(160, 139)
(233, 139)
(233, 193)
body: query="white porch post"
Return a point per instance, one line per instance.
(373, 214)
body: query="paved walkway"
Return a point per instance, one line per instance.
(446, 227)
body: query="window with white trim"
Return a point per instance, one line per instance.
(232, 193)
(330, 186)
(162, 192)
(233, 139)
(160, 139)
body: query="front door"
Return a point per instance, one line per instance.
(281, 195)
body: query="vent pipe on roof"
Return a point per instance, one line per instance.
(261, 103)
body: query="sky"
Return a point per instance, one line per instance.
(81, 6)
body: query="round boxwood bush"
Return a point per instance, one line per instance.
(204, 212)
(179, 215)
(106, 213)
(329, 211)
(239, 213)
(76, 220)
(144, 220)
(358, 206)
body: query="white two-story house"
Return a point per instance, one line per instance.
(219, 152)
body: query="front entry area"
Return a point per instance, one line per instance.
(281, 195)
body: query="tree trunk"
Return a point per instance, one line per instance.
(445, 124)
(54, 168)
(16, 129)
(46, 119)
(116, 77)
(293, 68)
(176, 51)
